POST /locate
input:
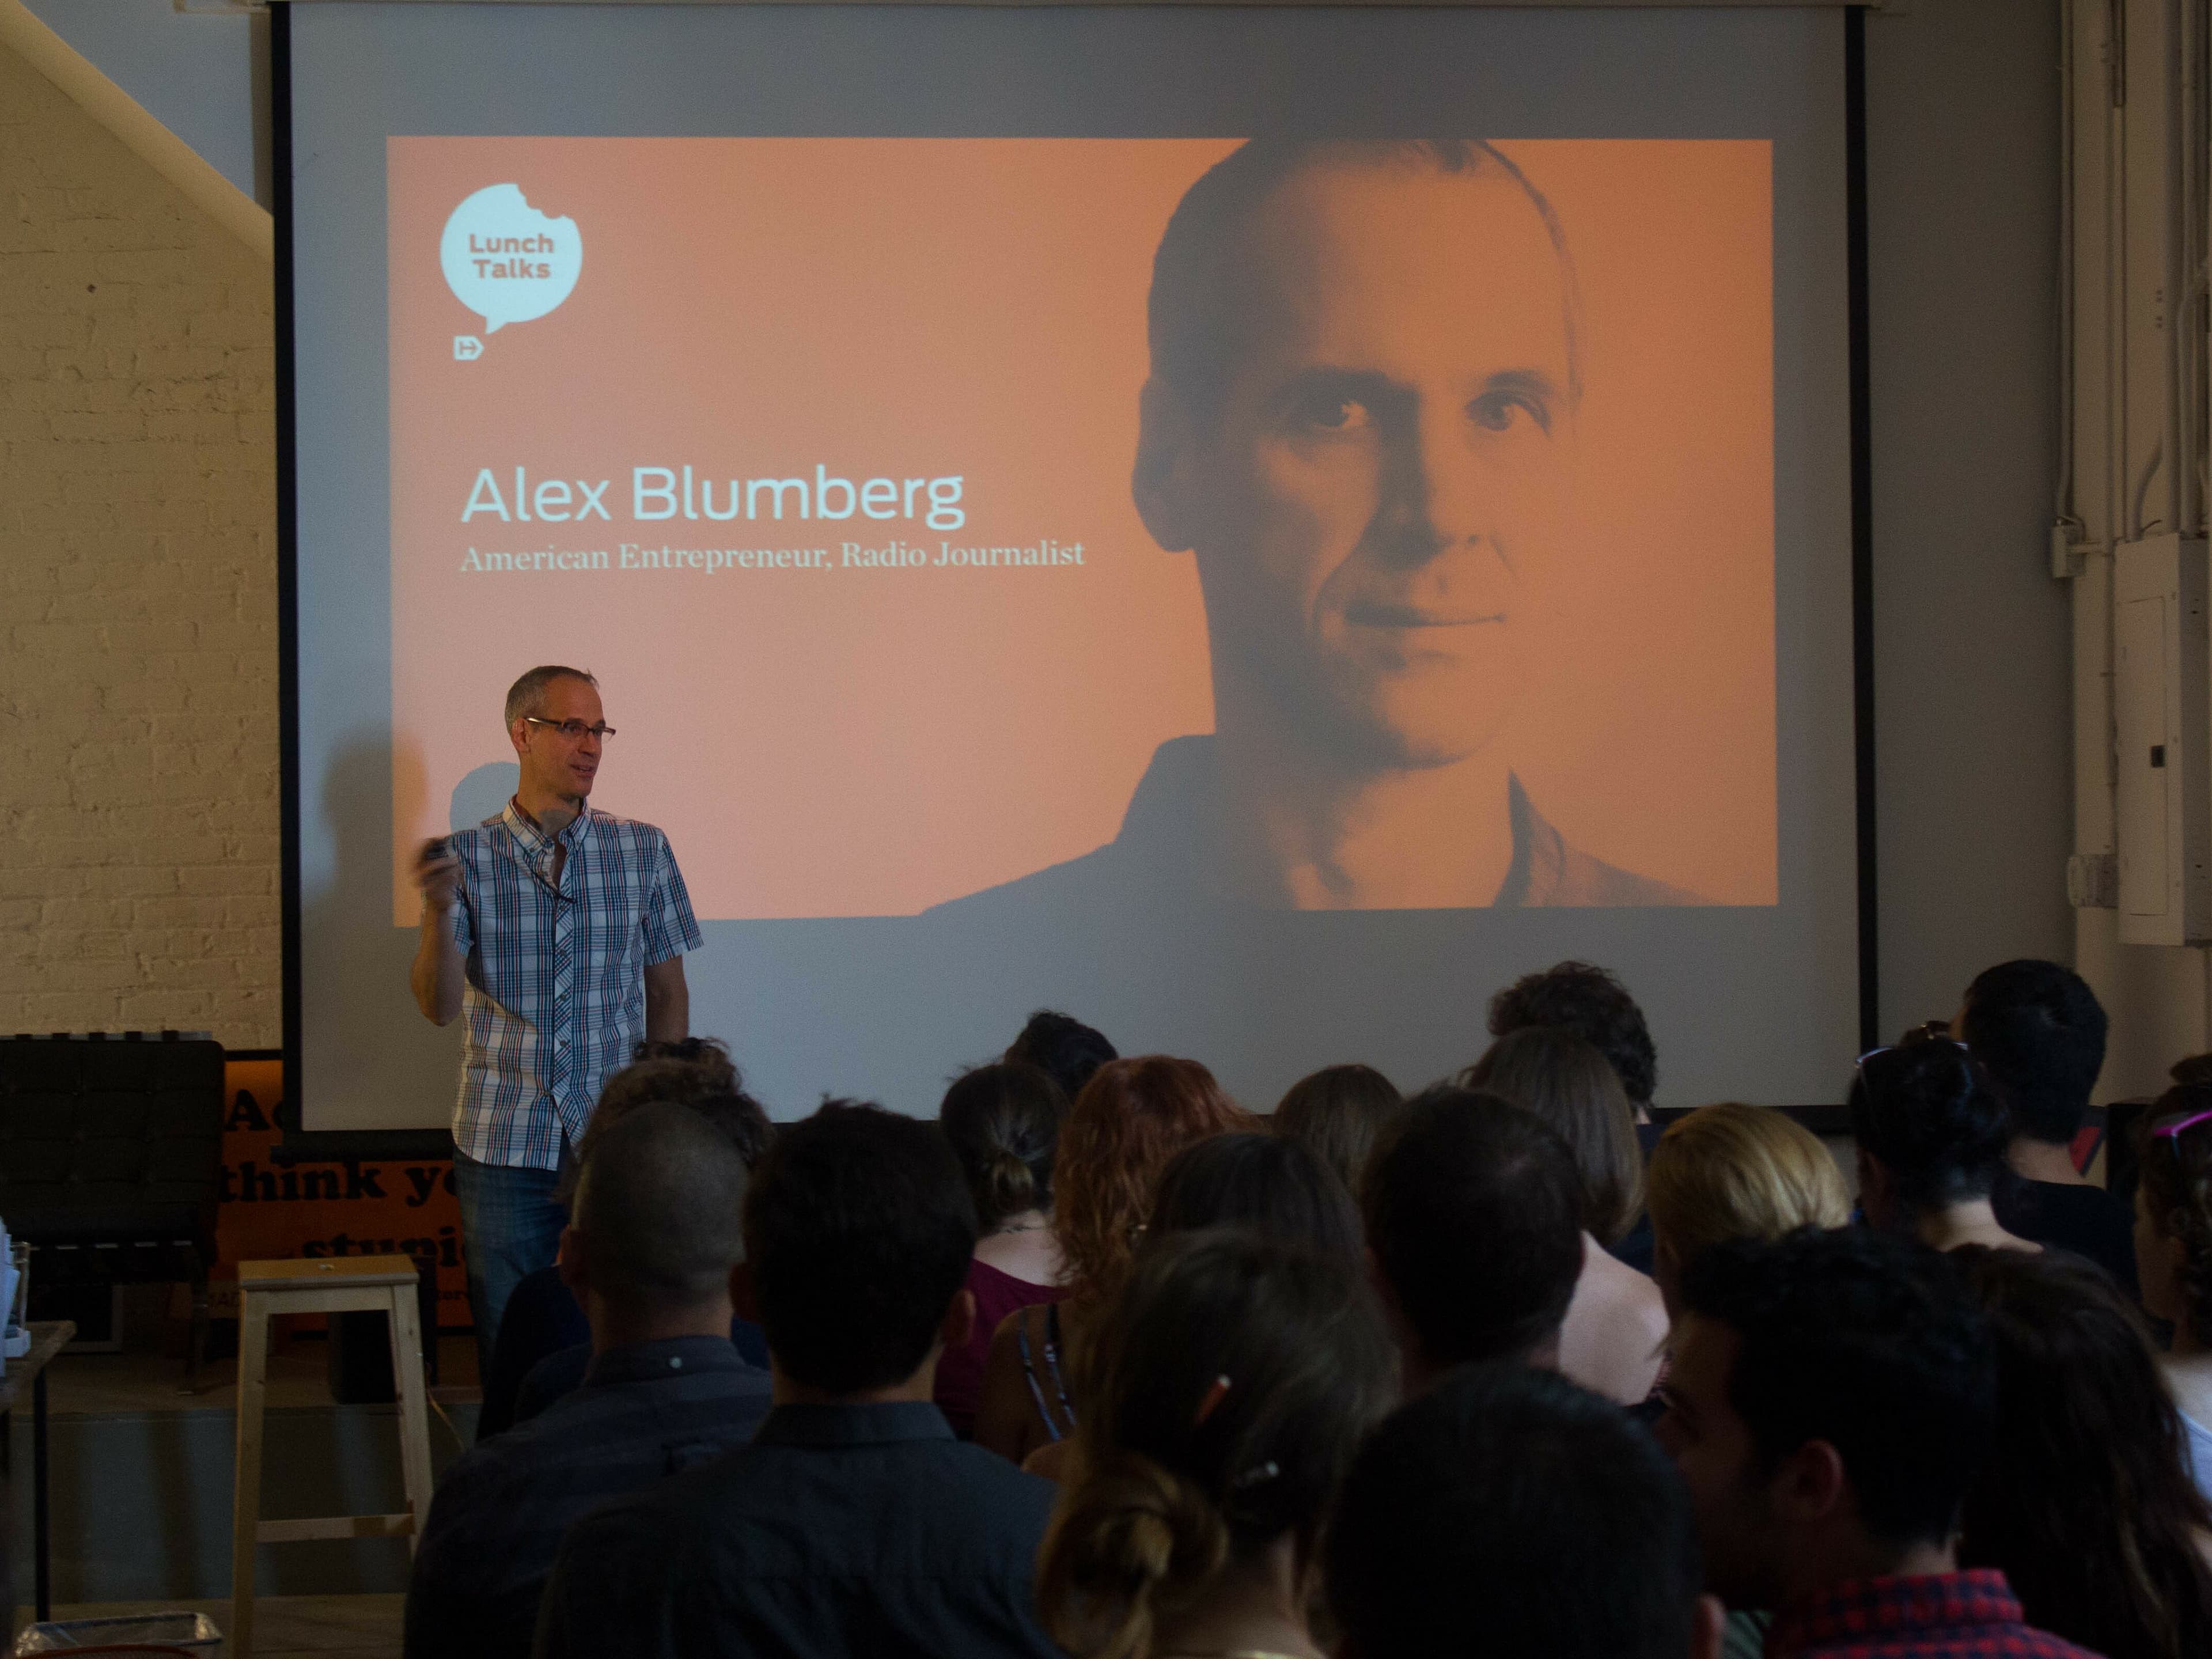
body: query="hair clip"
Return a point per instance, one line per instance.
(2169, 1131)
(1216, 1392)
(1256, 1477)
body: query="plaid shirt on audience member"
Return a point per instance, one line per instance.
(1949, 1615)
(556, 996)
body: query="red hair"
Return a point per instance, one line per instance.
(1128, 1123)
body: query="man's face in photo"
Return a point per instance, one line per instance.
(1387, 464)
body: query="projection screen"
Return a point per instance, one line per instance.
(1254, 526)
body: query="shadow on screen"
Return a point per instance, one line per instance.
(357, 1010)
(484, 793)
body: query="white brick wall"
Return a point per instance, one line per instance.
(138, 773)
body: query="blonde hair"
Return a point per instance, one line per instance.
(1736, 1171)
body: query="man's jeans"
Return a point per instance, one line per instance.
(511, 1223)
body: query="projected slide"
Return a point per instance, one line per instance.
(976, 524)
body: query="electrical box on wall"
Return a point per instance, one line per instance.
(2162, 710)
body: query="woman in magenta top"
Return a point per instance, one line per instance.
(1003, 1124)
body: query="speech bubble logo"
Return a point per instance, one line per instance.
(505, 260)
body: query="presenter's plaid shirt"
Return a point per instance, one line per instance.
(1944, 1615)
(555, 995)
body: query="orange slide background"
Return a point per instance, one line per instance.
(872, 742)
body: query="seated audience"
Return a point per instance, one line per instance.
(1131, 1119)
(2089, 1508)
(1832, 1398)
(854, 1524)
(649, 1251)
(1511, 1514)
(1733, 1171)
(1618, 1320)
(1227, 1392)
(1474, 1216)
(1932, 1135)
(2173, 1253)
(1596, 1007)
(2039, 1031)
(544, 1344)
(1002, 1122)
(1336, 1113)
(1263, 1184)
(1064, 1048)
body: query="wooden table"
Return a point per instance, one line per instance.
(47, 1339)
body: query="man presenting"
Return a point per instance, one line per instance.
(560, 930)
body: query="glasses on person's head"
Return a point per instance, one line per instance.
(1930, 1035)
(574, 730)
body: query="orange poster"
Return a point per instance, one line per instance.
(901, 551)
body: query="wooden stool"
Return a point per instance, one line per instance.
(355, 1284)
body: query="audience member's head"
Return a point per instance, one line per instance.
(2173, 1212)
(1474, 1213)
(655, 1231)
(859, 1230)
(2039, 1031)
(1931, 1131)
(1597, 1008)
(1336, 1113)
(1262, 1183)
(1230, 1386)
(1508, 1502)
(1564, 1080)
(1732, 1171)
(1831, 1402)
(1002, 1122)
(2088, 1505)
(693, 1071)
(1131, 1119)
(1064, 1047)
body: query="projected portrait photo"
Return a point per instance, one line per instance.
(1051, 527)
(1360, 420)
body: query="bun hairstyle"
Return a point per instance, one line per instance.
(1002, 1122)
(1925, 1110)
(1226, 1394)
(2175, 1181)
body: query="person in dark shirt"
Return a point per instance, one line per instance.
(2039, 1032)
(1475, 1220)
(544, 1344)
(1833, 1397)
(650, 1251)
(854, 1524)
(1509, 1501)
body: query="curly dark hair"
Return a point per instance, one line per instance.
(1866, 1340)
(2089, 1509)
(1596, 1007)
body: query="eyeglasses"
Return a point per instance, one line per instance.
(574, 730)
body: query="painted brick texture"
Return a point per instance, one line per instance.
(138, 793)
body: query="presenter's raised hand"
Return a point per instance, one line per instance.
(438, 873)
(437, 973)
